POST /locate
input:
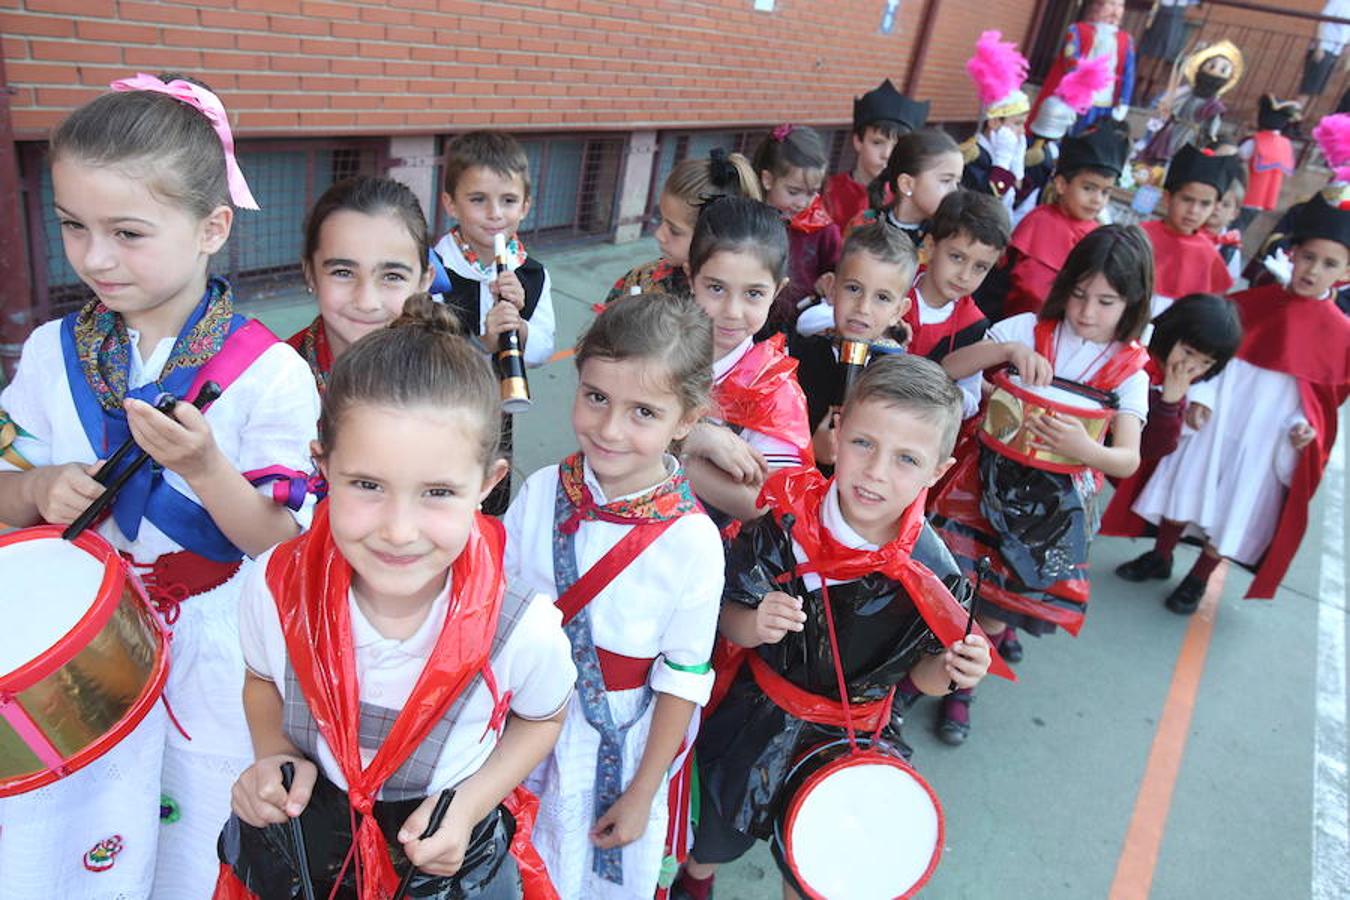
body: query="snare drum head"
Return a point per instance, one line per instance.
(1059, 395)
(49, 586)
(864, 828)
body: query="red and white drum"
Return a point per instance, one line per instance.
(1012, 405)
(861, 825)
(84, 656)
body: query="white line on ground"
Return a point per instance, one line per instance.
(1330, 837)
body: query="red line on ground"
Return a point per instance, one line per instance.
(1143, 838)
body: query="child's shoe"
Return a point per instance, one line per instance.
(1185, 597)
(1011, 648)
(954, 718)
(1150, 566)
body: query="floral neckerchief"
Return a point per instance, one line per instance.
(670, 499)
(656, 277)
(103, 344)
(515, 254)
(312, 344)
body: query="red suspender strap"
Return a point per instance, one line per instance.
(584, 589)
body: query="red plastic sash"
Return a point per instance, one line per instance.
(608, 567)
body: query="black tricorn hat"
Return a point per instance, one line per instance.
(1319, 219)
(885, 103)
(1192, 165)
(1103, 147)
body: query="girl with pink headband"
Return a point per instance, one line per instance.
(145, 185)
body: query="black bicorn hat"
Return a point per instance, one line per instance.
(1191, 165)
(1102, 147)
(885, 103)
(1319, 219)
(1274, 114)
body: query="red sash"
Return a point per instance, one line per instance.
(1130, 358)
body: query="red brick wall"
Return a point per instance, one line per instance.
(294, 66)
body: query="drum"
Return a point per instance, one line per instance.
(861, 825)
(84, 656)
(1012, 405)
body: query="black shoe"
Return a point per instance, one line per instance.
(952, 731)
(1185, 597)
(1011, 648)
(1146, 567)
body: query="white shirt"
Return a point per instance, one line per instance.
(267, 417)
(535, 665)
(1332, 36)
(778, 454)
(1077, 359)
(664, 604)
(936, 315)
(543, 323)
(832, 518)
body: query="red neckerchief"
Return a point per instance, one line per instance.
(812, 219)
(310, 580)
(761, 392)
(923, 339)
(669, 500)
(1186, 263)
(1128, 359)
(1300, 336)
(801, 492)
(311, 342)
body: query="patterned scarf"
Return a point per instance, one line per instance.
(487, 268)
(670, 499)
(104, 346)
(312, 344)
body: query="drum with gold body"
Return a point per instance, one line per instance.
(1013, 405)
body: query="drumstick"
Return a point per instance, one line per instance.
(298, 835)
(798, 586)
(981, 569)
(164, 403)
(433, 824)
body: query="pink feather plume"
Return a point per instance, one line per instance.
(1078, 87)
(997, 68)
(1333, 136)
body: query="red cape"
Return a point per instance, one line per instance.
(761, 393)
(924, 338)
(1308, 340)
(1186, 263)
(1042, 241)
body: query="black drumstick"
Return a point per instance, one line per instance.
(298, 834)
(798, 586)
(981, 570)
(164, 403)
(433, 825)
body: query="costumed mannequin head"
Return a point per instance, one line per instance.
(692, 183)
(1105, 12)
(998, 70)
(1103, 291)
(1089, 164)
(1274, 114)
(967, 238)
(1215, 70)
(408, 443)
(894, 439)
(737, 265)
(1072, 97)
(869, 291)
(146, 151)
(1320, 246)
(924, 167)
(1199, 333)
(644, 373)
(879, 117)
(485, 187)
(366, 249)
(791, 163)
(1196, 179)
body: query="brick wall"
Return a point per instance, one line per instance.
(289, 67)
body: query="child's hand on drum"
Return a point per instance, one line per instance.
(624, 822)
(967, 661)
(443, 853)
(1032, 368)
(259, 798)
(61, 493)
(1064, 435)
(777, 614)
(183, 444)
(1301, 435)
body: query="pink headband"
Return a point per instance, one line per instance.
(209, 105)
(781, 132)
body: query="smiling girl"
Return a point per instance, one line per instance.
(924, 167)
(1036, 523)
(366, 250)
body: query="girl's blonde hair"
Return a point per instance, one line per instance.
(697, 181)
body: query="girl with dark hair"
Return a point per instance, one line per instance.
(1024, 494)
(924, 167)
(366, 249)
(145, 185)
